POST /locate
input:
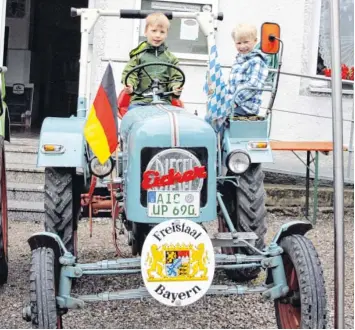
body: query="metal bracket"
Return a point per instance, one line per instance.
(70, 302)
(236, 239)
(276, 292)
(206, 19)
(276, 268)
(88, 19)
(72, 272)
(269, 262)
(67, 259)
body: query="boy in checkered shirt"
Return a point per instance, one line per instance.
(250, 69)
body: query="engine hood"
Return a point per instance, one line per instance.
(165, 126)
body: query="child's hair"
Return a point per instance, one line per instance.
(244, 31)
(157, 19)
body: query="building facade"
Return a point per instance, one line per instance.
(302, 110)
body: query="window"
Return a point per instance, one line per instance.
(318, 47)
(16, 8)
(346, 33)
(185, 38)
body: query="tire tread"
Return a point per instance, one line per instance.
(42, 289)
(311, 281)
(58, 204)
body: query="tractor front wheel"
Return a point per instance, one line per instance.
(62, 205)
(43, 290)
(3, 220)
(304, 307)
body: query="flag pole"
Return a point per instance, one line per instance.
(338, 168)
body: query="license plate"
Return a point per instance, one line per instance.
(173, 204)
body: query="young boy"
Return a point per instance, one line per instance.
(250, 69)
(152, 50)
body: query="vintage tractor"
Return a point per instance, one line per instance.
(171, 175)
(4, 135)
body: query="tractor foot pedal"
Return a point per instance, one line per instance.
(228, 239)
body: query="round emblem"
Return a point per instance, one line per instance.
(189, 198)
(181, 161)
(177, 262)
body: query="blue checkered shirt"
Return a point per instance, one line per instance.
(249, 70)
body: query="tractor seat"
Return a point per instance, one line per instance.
(124, 100)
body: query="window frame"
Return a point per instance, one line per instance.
(312, 43)
(181, 56)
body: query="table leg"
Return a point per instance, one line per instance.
(315, 191)
(307, 182)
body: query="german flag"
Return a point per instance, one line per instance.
(101, 128)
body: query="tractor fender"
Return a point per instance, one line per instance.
(68, 133)
(287, 229)
(242, 144)
(292, 228)
(48, 240)
(238, 135)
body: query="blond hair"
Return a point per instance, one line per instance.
(242, 31)
(158, 19)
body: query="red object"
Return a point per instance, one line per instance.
(289, 313)
(346, 72)
(124, 100)
(177, 103)
(327, 72)
(183, 253)
(153, 179)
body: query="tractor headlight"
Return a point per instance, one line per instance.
(101, 170)
(238, 161)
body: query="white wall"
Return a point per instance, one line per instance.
(297, 21)
(114, 38)
(296, 18)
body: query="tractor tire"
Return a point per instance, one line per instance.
(3, 221)
(246, 207)
(43, 290)
(305, 305)
(140, 232)
(62, 205)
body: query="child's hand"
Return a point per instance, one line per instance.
(128, 89)
(177, 90)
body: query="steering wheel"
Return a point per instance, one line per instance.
(155, 83)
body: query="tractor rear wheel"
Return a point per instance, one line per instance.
(43, 290)
(62, 205)
(304, 307)
(246, 207)
(3, 220)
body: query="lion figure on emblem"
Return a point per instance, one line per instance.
(198, 260)
(155, 261)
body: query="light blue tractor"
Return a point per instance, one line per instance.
(172, 175)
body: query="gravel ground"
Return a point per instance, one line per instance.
(249, 311)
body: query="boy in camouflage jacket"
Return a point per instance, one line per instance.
(152, 50)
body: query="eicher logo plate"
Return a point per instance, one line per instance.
(177, 262)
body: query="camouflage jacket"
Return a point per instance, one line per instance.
(146, 53)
